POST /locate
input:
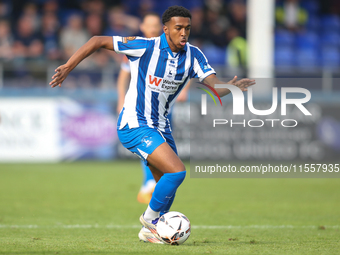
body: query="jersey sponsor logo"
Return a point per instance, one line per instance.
(154, 80)
(129, 38)
(176, 83)
(166, 86)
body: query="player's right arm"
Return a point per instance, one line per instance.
(95, 43)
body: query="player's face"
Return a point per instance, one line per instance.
(151, 26)
(177, 31)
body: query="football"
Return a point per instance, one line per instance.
(174, 228)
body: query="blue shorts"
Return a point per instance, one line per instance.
(143, 140)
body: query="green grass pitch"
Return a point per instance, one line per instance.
(91, 208)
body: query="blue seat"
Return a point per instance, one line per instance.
(308, 40)
(284, 56)
(65, 14)
(307, 58)
(330, 39)
(215, 55)
(311, 6)
(330, 23)
(330, 57)
(313, 23)
(284, 38)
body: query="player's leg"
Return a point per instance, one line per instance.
(145, 234)
(148, 186)
(157, 175)
(165, 160)
(145, 192)
(172, 144)
(170, 140)
(151, 145)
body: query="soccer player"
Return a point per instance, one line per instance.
(160, 69)
(150, 27)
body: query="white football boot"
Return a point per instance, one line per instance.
(146, 236)
(151, 227)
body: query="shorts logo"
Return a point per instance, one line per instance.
(146, 141)
(155, 80)
(129, 38)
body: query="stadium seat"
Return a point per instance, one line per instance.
(313, 23)
(284, 56)
(311, 6)
(307, 40)
(307, 59)
(284, 38)
(65, 14)
(330, 23)
(330, 57)
(215, 55)
(330, 39)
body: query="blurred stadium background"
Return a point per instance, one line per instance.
(51, 206)
(78, 121)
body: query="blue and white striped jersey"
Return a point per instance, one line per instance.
(157, 77)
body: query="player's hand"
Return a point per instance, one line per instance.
(243, 84)
(60, 75)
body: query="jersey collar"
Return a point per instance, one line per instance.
(164, 44)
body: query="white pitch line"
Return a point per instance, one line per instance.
(78, 226)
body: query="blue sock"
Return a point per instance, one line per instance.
(168, 205)
(165, 190)
(147, 173)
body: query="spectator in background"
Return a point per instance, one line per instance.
(216, 27)
(94, 7)
(216, 23)
(330, 7)
(237, 14)
(50, 33)
(198, 32)
(120, 23)
(5, 10)
(290, 15)
(94, 26)
(31, 10)
(73, 35)
(51, 6)
(27, 43)
(6, 40)
(145, 7)
(236, 49)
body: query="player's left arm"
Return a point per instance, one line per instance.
(242, 84)
(183, 95)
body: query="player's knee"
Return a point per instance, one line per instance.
(179, 168)
(176, 177)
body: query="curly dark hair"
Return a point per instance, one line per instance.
(175, 11)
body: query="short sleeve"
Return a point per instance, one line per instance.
(201, 68)
(131, 46)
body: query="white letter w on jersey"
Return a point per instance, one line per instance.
(155, 80)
